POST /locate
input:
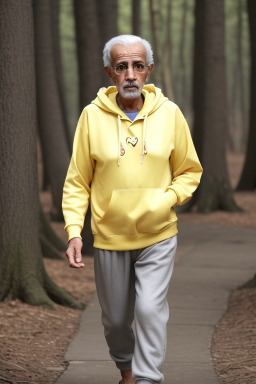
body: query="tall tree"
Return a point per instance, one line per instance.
(155, 19)
(199, 76)
(162, 46)
(237, 105)
(136, 10)
(89, 50)
(89, 53)
(248, 177)
(55, 27)
(182, 60)
(96, 23)
(240, 72)
(51, 122)
(210, 119)
(107, 20)
(22, 272)
(166, 55)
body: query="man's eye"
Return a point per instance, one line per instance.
(121, 67)
(139, 66)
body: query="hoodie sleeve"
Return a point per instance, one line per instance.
(185, 165)
(76, 190)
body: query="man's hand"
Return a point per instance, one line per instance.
(74, 253)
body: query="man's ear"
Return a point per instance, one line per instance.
(109, 73)
(150, 69)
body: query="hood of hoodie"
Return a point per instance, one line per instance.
(106, 100)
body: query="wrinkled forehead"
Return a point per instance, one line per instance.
(128, 53)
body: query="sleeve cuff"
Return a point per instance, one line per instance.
(74, 231)
(172, 198)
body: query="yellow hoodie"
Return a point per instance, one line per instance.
(134, 172)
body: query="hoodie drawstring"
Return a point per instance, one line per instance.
(144, 146)
(121, 150)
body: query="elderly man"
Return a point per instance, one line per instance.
(134, 159)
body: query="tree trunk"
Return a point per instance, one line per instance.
(166, 59)
(237, 105)
(89, 50)
(55, 14)
(51, 244)
(233, 112)
(155, 18)
(22, 272)
(249, 284)
(181, 54)
(107, 20)
(199, 76)
(136, 7)
(50, 117)
(242, 110)
(248, 177)
(107, 26)
(198, 88)
(215, 189)
(96, 23)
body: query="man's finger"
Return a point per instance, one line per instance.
(78, 256)
(73, 263)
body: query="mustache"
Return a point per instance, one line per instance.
(130, 83)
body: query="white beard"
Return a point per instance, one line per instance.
(126, 94)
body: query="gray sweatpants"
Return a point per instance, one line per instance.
(132, 285)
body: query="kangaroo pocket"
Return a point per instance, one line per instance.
(134, 211)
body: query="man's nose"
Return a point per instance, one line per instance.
(130, 74)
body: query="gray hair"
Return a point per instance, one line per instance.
(126, 40)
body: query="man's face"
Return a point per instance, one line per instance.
(129, 84)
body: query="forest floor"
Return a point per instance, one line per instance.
(33, 340)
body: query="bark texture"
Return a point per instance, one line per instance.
(51, 244)
(96, 23)
(90, 64)
(89, 50)
(199, 76)
(162, 49)
(182, 60)
(155, 20)
(248, 177)
(55, 16)
(22, 272)
(136, 8)
(211, 124)
(51, 122)
(166, 56)
(238, 117)
(107, 20)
